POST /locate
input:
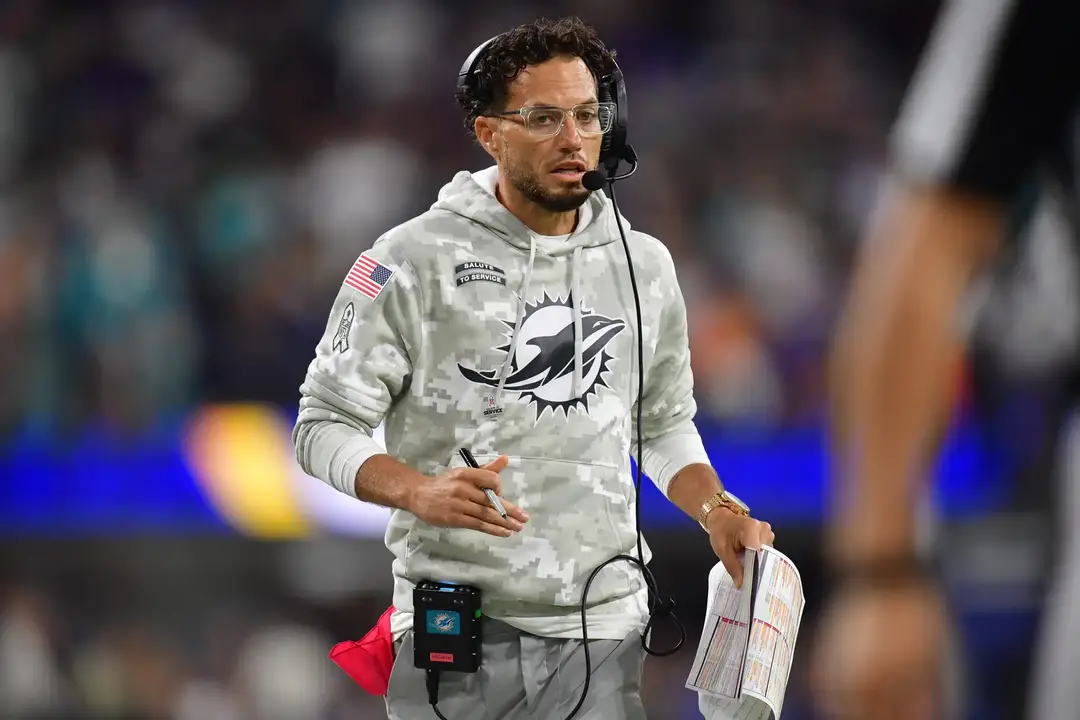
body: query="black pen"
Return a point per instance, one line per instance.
(471, 462)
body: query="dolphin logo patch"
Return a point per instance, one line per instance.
(542, 368)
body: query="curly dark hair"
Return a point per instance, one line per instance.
(526, 45)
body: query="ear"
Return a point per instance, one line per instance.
(486, 130)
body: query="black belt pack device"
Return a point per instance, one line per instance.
(446, 627)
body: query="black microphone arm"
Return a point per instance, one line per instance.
(593, 180)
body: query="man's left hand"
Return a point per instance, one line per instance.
(730, 534)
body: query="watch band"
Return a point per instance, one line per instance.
(720, 499)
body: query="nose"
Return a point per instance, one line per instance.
(569, 135)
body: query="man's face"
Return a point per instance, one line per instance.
(548, 170)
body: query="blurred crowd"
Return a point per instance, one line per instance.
(60, 662)
(184, 183)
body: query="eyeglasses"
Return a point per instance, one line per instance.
(589, 118)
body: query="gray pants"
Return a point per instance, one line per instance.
(524, 676)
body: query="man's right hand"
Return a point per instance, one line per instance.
(456, 499)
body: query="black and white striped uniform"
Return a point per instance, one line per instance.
(994, 100)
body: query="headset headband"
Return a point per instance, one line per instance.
(470, 63)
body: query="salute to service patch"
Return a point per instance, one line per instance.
(368, 276)
(474, 270)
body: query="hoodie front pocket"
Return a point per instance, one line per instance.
(579, 517)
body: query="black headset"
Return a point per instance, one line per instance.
(610, 89)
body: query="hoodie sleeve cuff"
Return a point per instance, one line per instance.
(663, 457)
(337, 453)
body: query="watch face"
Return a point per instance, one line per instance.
(736, 500)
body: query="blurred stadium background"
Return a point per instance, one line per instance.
(183, 184)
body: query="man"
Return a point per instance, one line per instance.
(501, 321)
(985, 117)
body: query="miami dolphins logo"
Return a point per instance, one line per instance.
(443, 622)
(542, 367)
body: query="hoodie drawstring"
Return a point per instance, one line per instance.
(575, 288)
(522, 299)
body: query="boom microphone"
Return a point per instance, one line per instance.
(593, 180)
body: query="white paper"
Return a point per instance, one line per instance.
(717, 708)
(773, 630)
(718, 664)
(743, 660)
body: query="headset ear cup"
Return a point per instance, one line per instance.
(613, 147)
(603, 94)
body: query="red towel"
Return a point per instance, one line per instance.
(369, 660)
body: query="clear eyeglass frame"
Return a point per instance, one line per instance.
(548, 121)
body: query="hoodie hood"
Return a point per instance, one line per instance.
(472, 195)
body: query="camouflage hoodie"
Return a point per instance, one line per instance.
(462, 327)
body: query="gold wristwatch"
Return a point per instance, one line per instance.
(721, 499)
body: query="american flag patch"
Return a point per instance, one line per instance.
(368, 276)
